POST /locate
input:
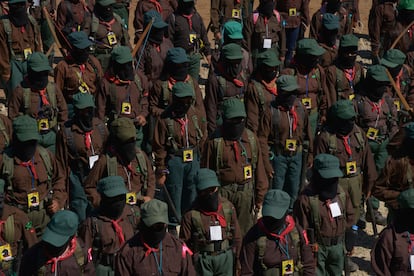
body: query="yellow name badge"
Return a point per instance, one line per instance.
(187, 155)
(372, 133)
(307, 103)
(397, 105)
(351, 167)
(291, 145)
(288, 267)
(351, 97)
(33, 200)
(131, 198)
(6, 253)
(83, 87)
(126, 108)
(235, 13)
(192, 38)
(292, 12)
(111, 38)
(43, 124)
(247, 172)
(27, 52)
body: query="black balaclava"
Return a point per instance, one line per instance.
(53, 251)
(105, 13)
(272, 224)
(18, 14)
(405, 16)
(329, 37)
(180, 107)
(124, 72)
(178, 72)
(152, 235)
(333, 6)
(403, 220)
(395, 71)
(266, 8)
(307, 62)
(38, 80)
(1, 204)
(24, 150)
(126, 151)
(375, 89)
(327, 187)
(80, 56)
(186, 8)
(285, 100)
(268, 73)
(343, 127)
(84, 117)
(233, 129)
(347, 57)
(209, 202)
(232, 67)
(112, 207)
(157, 35)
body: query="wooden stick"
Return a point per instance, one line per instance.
(398, 91)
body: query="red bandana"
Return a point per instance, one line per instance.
(216, 215)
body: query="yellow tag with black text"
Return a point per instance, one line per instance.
(236, 13)
(397, 105)
(247, 172)
(292, 12)
(351, 97)
(351, 168)
(372, 133)
(288, 267)
(192, 38)
(187, 155)
(307, 103)
(27, 52)
(291, 145)
(111, 38)
(33, 199)
(126, 108)
(83, 87)
(43, 124)
(6, 253)
(131, 198)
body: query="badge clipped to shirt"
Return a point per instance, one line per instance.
(126, 108)
(111, 38)
(92, 160)
(33, 200)
(188, 155)
(335, 210)
(397, 105)
(215, 233)
(307, 103)
(372, 133)
(6, 253)
(292, 12)
(291, 144)
(43, 124)
(351, 167)
(192, 37)
(351, 97)
(267, 43)
(83, 87)
(27, 52)
(236, 13)
(288, 267)
(131, 198)
(247, 172)
(412, 262)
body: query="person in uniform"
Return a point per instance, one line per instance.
(328, 38)
(78, 71)
(111, 226)
(234, 153)
(264, 30)
(276, 245)
(19, 37)
(40, 99)
(123, 158)
(16, 237)
(288, 135)
(311, 78)
(393, 250)
(180, 133)
(153, 250)
(225, 81)
(326, 210)
(74, 16)
(34, 183)
(60, 251)
(210, 228)
(79, 144)
(6, 132)
(345, 74)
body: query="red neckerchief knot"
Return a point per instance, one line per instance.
(42, 94)
(290, 224)
(148, 248)
(82, 68)
(271, 86)
(236, 151)
(157, 6)
(376, 106)
(88, 139)
(114, 79)
(217, 215)
(350, 74)
(108, 25)
(183, 122)
(29, 164)
(190, 22)
(118, 230)
(294, 114)
(347, 145)
(66, 255)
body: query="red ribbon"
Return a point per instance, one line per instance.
(350, 74)
(294, 115)
(66, 255)
(118, 230)
(172, 81)
(398, 79)
(238, 83)
(270, 87)
(236, 151)
(346, 144)
(43, 96)
(82, 68)
(88, 139)
(376, 106)
(183, 123)
(157, 6)
(2, 222)
(114, 79)
(108, 25)
(290, 224)
(216, 215)
(190, 23)
(148, 248)
(29, 164)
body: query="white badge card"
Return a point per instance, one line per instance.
(335, 210)
(267, 43)
(412, 262)
(215, 233)
(92, 160)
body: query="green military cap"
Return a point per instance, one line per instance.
(343, 109)
(11, 2)
(25, 128)
(206, 178)
(309, 46)
(275, 204)
(403, 5)
(158, 22)
(38, 62)
(154, 211)
(406, 199)
(62, 226)
(123, 129)
(121, 54)
(177, 55)
(83, 100)
(105, 3)
(182, 89)
(330, 21)
(233, 108)
(233, 29)
(79, 40)
(378, 73)
(287, 83)
(327, 166)
(111, 186)
(393, 58)
(269, 58)
(232, 51)
(409, 130)
(348, 40)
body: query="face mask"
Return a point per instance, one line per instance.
(233, 69)
(395, 71)
(156, 36)
(179, 109)
(327, 187)
(18, 14)
(233, 131)
(329, 37)
(186, 8)
(286, 100)
(53, 251)
(124, 71)
(152, 236)
(268, 73)
(344, 127)
(38, 80)
(308, 62)
(112, 207)
(404, 220)
(272, 224)
(346, 59)
(210, 202)
(377, 93)
(84, 118)
(266, 8)
(178, 72)
(333, 6)
(104, 13)
(25, 150)
(80, 56)
(127, 152)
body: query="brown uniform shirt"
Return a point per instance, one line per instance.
(101, 35)
(328, 58)
(6, 135)
(74, 17)
(294, 12)
(405, 81)
(222, 11)
(69, 76)
(175, 260)
(23, 183)
(382, 19)
(345, 22)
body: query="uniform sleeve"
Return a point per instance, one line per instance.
(215, 15)
(150, 179)
(15, 102)
(314, 26)
(91, 181)
(305, 12)
(61, 16)
(60, 72)
(26, 232)
(101, 99)
(323, 105)
(262, 182)
(208, 159)
(123, 263)
(62, 106)
(86, 233)
(320, 144)
(251, 101)
(59, 183)
(187, 266)
(4, 54)
(211, 101)
(382, 253)
(203, 35)
(154, 99)
(247, 32)
(247, 258)
(331, 85)
(350, 212)
(62, 157)
(301, 211)
(306, 255)
(138, 21)
(237, 235)
(282, 41)
(199, 102)
(374, 28)
(158, 146)
(369, 169)
(186, 230)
